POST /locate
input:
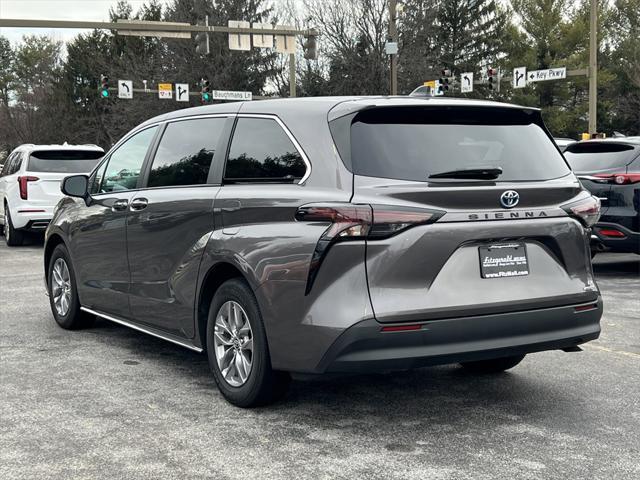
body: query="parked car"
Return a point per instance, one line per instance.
(610, 170)
(332, 235)
(563, 143)
(30, 184)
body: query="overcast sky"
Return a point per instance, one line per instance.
(97, 10)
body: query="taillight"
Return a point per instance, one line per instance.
(358, 222)
(586, 210)
(619, 178)
(22, 181)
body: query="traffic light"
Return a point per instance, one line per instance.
(491, 77)
(310, 47)
(104, 86)
(445, 75)
(205, 90)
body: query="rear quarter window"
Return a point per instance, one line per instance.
(64, 161)
(412, 143)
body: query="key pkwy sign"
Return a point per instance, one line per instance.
(548, 74)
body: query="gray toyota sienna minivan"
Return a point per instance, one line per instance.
(332, 235)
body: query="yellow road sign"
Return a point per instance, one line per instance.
(165, 90)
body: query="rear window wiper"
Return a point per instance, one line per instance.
(489, 173)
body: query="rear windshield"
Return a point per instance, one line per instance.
(599, 156)
(411, 143)
(64, 161)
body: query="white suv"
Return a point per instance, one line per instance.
(30, 184)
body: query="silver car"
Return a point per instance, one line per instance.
(332, 235)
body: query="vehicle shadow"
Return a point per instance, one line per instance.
(30, 240)
(440, 396)
(618, 265)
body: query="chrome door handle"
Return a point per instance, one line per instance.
(119, 205)
(138, 204)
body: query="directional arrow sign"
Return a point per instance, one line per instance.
(125, 89)
(182, 92)
(548, 74)
(466, 82)
(520, 77)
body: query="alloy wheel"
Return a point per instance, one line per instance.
(233, 343)
(61, 287)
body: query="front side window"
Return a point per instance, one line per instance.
(186, 152)
(96, 179)
(125, 164)
(7, 165)
(262, 152)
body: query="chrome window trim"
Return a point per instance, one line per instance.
(297, 146)
(277, 119)
(139, 328)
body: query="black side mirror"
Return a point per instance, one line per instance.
(75, 186)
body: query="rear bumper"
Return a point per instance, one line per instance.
(630, 243)
(36, 226)
(364, 347)
(31, 218)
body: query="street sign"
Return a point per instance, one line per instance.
(182, 92)
(239, 41)
(548, 74)
(125, 89)
(157, 33)
(165, 91)
(434, 86)
(285, 43)
(391, 48)
(262, 40)
(230, 95)
(466, 82)
(519, 77)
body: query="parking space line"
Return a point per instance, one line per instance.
(610, 350)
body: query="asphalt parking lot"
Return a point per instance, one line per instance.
(113, 403)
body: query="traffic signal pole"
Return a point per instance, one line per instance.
(154, 28)
(593, 67)
(292, 75)
(393, 36)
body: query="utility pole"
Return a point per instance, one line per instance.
(593, 67)
(393, 38)
(292, 75)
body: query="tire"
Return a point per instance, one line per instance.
(13, 237)
(71, 318)
(494, 365)
(261, 385)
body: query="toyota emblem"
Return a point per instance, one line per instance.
(509, 199)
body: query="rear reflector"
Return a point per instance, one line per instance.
(401, 328)
(584, 308)
(610, 232)
(31, 210)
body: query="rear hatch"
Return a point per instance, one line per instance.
(47, 168)
(596, 162)
(484, 250)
